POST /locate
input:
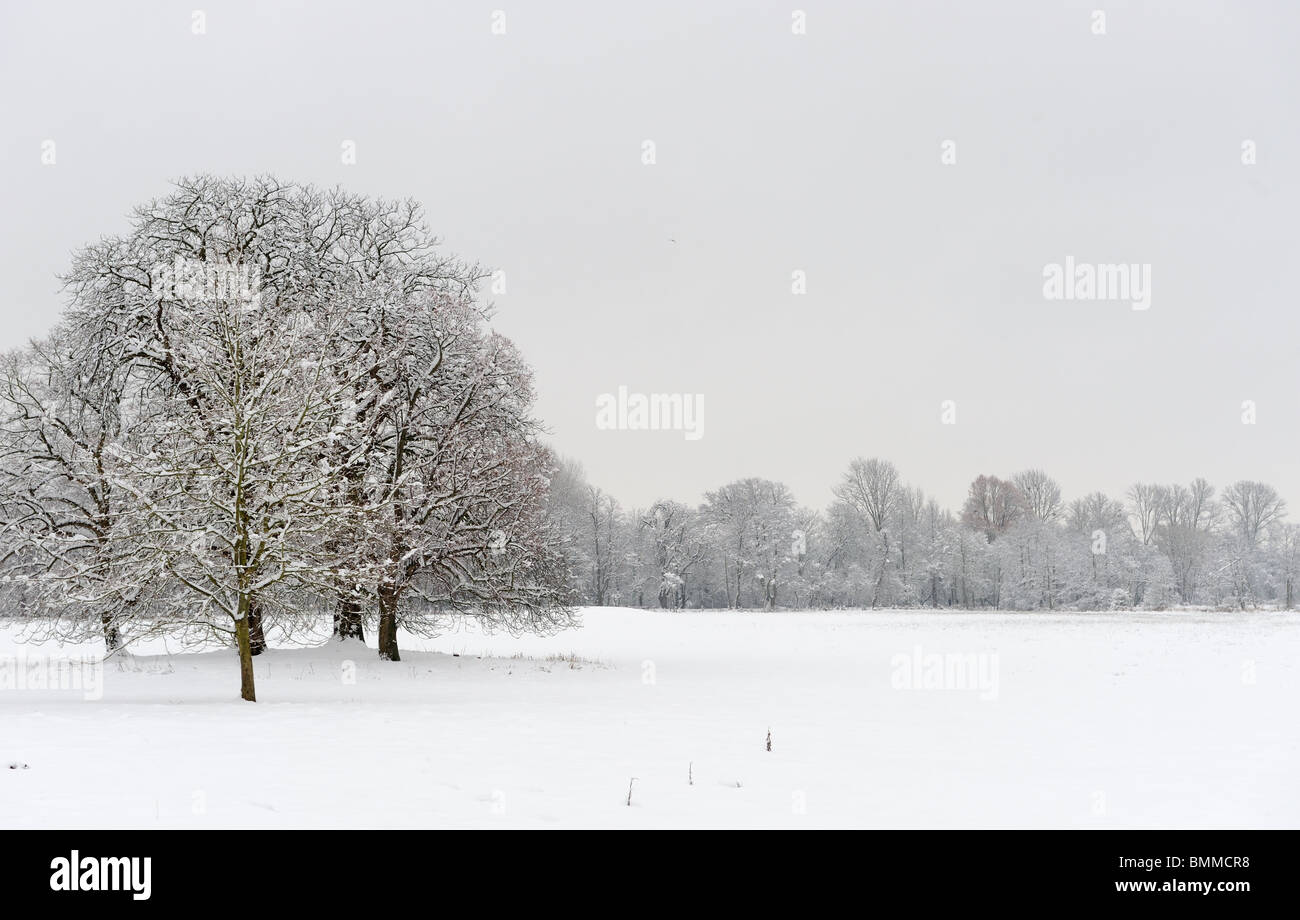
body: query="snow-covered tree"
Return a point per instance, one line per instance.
(992, 505)
(873, 488)
(228, 498)
(677, 548)
(1041, 494)
(60, 420)
(461, 481)
(750, 524)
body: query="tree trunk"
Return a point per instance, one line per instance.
(348, 620)
(388, 624)
(246, 690)
(113, 637)
(256, 635)
(880, 574)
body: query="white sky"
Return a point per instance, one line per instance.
(776, 152)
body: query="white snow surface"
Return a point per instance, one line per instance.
(1132, 719)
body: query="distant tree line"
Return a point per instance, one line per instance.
(1015, 544)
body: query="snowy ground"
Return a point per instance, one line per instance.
(1061, 720)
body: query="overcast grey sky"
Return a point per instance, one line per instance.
(775, 152)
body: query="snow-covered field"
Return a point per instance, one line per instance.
(1011, 720)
